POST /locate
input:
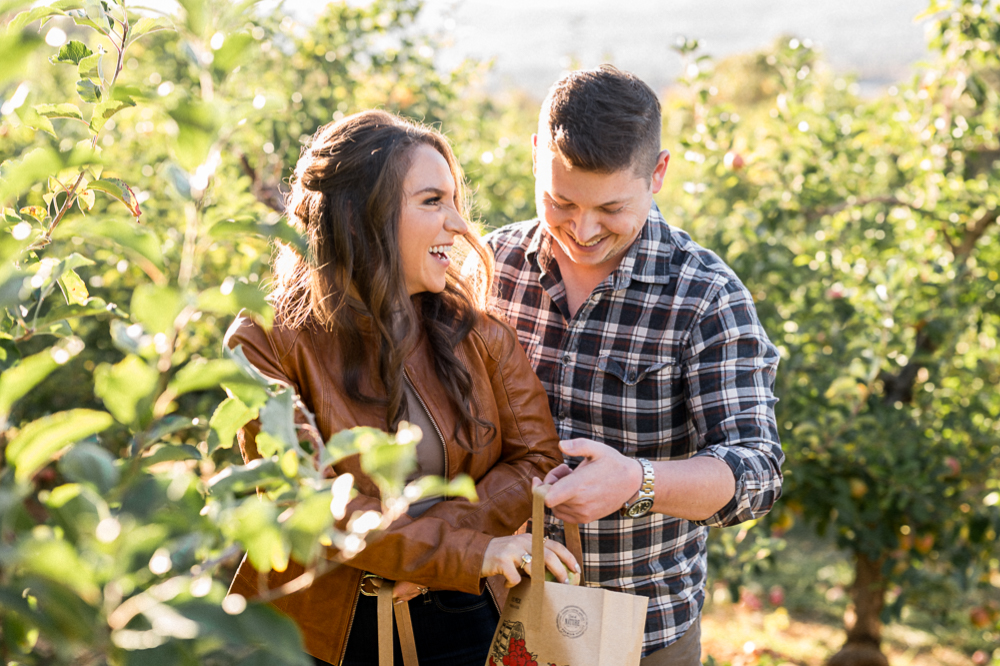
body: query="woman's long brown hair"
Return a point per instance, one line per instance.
(346, 197)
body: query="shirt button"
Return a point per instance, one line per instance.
(562, 412)
(565, 359)
(632, 376)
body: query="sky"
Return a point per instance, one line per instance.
(533, 41)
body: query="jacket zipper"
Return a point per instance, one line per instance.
(431, 418)
(350, 624)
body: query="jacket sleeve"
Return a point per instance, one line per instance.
(730, 368)
(529, 448)
(264, 353)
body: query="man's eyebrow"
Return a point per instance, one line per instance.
(607, 204)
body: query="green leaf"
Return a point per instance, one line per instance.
(19, 22)
(280, 230)
(129, 339)
(257, 529)
(37, 442)
(236, 50)
(126, 388)
(126, 235)
(72, 53)
(229, 417)
(93, 306)
(90, 463)
(198, 125)
(147, 25)
(74, 288)
(237, 479)
(436, 486)
(120, 190)
(16, 382)
(89, 91)
(89, 67)
(202, 375)
(17, 175)
(169, 453)
(35, 121)
(156, 307)
(277, 418)
(234, 297)
(104, 111)
(168, 425)
(95, 12)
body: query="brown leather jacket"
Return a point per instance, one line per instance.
(444, 547)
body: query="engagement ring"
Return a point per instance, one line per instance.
(525, 561)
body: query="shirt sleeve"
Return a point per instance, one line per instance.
(729, 371)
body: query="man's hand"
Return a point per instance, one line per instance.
(599, 485)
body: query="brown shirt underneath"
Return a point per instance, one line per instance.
(430, 449)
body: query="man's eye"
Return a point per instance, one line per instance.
(615, 211)
(559, 206)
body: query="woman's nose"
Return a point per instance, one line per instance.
(456, 224)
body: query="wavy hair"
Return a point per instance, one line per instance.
(346, 198)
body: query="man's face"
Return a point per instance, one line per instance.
(594, 217)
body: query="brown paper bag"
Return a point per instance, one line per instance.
(548, 623)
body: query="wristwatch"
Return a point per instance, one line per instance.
(644, 502)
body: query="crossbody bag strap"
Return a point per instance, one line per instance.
(386, 609)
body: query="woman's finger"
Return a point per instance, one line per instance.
(510, 572)
(562, 552)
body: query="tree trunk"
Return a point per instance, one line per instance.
(864, 635)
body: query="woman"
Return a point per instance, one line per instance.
(380, 328)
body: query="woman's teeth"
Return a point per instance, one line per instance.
(440, 250)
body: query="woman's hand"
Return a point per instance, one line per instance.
(504, 556)
(405, 590)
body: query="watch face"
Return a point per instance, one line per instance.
(640, 508)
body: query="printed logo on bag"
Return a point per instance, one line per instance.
(571, 622)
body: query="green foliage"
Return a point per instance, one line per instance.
(140, 173)
(866, 230)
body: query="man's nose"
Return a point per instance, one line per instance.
(587, 226)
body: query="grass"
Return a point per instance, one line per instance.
(793, 614)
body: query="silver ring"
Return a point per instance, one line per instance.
(525, 560)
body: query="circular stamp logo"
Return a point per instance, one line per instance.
(571, 622)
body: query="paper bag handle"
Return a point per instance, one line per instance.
(571, 531)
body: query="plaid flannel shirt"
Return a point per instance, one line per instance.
(666, 360)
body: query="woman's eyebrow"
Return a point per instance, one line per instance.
(431, 190)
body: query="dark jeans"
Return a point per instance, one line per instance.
(450, 629)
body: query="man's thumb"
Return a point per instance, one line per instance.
(578, 448)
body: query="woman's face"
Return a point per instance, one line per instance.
(428, 221)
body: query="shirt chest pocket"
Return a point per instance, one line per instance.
(643, 396)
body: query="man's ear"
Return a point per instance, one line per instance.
(534, 154)
(661, 170)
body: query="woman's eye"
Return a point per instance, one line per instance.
(432, 201)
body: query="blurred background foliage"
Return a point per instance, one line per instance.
(144, 161)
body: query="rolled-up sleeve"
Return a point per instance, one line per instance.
(730, 368)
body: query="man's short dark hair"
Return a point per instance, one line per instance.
(602, 120)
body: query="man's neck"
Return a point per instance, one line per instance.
(581, 280)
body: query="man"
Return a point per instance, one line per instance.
(658, 372)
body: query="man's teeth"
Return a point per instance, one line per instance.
(590, 244)
(440, 249)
